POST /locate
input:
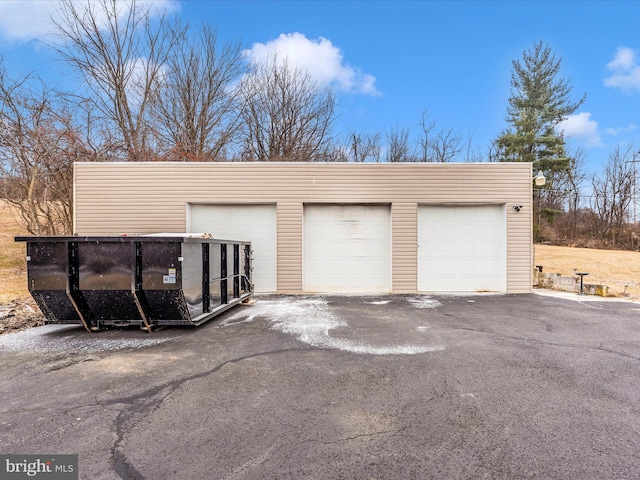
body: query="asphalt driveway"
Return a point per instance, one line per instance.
(390, 387)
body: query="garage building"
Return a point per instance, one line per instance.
(332, 227)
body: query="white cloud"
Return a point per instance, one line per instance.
(323, 60)
(581, 126)
(625, 70)
(624, 59)
(617, 131)
(25, 20)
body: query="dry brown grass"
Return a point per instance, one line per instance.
(13, 265)
(614, 268)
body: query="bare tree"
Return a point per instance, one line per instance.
(39, 142)
(365, 148)
(561, 191)
(472, 154)
(424, 143)
(398, 148)
(558, 203)
(285, 114)
(494, 152)
(196, 106)
(575, 177)
(443, 146)
(120, 54)
(613, 194)
(446, 146)
(358, 148)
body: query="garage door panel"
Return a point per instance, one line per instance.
(461, 248)
(347, 248)
(256, 223)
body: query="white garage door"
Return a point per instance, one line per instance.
(347, 248)
(461, 248)
(256, 223)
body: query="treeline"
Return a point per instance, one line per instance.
(593, 211)
(155, 89)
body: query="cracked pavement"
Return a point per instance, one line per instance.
(389, 387)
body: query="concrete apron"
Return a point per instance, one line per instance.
(565, 295)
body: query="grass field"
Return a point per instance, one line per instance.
(13, 269)
(613, 268)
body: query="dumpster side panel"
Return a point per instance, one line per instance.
(192, 278)
(215, 275)
(55, 306)
(47, 278)
(230, 270)
(161, 282)
(168, 307)
(105, 279)
(245, 270)
(161, 266)
(48, 265)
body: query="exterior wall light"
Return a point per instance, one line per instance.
(540, 179)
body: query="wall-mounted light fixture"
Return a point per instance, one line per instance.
(517, 207)
(540, 179)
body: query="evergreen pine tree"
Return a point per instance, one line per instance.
(539, 102)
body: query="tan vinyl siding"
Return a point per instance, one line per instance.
(114, 198)
(519, 251)
(404, 219)
(289, 247)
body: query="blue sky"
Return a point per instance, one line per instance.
(390, 61)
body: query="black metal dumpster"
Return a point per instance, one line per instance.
(146, 280)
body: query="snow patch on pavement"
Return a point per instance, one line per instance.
(420, 302)
(51, 338)
(311, 321)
